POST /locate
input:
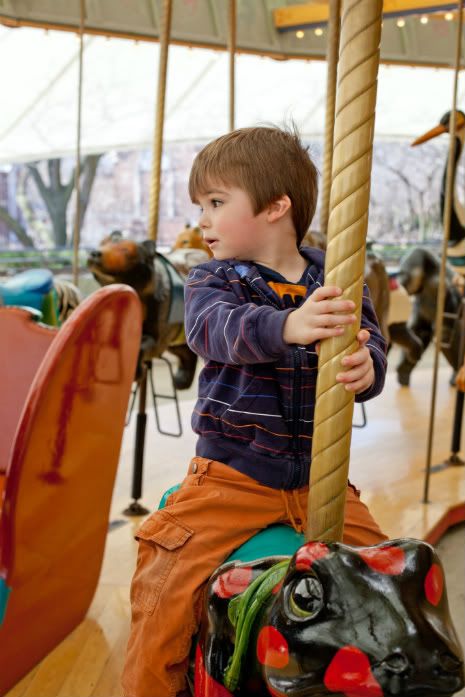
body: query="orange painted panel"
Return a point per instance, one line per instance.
(23, 345)
(54, 521)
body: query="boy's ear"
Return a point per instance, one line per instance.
(277, 209)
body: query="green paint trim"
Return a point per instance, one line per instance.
(242, 612)
(4, 594)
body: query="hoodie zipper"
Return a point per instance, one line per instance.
(265, 298)
(296, 387)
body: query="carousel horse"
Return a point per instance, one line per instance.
(160, 288)
(358, 621)
(419, 274)
(456, 249)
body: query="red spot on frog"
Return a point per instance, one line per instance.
(307, 554)
(272, 649)
(205, 686)
(434, 584)
(350, 673)
(233, 582)
(387, 560)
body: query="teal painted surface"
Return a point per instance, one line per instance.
(27, 288)
(4, 593)
(276, 539)
(167, 493)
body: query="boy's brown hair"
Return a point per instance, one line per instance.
(266, 163)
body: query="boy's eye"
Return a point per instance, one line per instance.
(216, 202)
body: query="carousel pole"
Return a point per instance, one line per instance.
(77, 169)
(232, 63)
(445, 242)
(135, 508)
(331, 59)
(154, 205)
(345, 259)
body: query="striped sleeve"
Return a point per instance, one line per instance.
(221, 325)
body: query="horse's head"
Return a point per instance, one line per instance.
(358, 621)
(368, 621)
(118, 260)
(191, 238)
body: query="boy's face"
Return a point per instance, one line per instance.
(229, 225)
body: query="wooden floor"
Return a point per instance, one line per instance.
(387, 463)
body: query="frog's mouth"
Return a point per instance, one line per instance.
(303, 685)
(312, 685)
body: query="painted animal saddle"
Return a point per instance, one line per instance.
(33, 289)
(176, 291)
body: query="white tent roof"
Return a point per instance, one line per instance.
(39, 86)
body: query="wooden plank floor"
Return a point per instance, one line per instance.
(387, 462)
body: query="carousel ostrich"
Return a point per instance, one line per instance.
(419, 271)
(456, 250)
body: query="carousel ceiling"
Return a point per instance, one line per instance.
(39, 111)
(415, 32)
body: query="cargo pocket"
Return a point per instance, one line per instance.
(161, 539)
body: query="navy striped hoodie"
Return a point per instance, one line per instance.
(256, 394)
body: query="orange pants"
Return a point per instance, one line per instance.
(214, 512)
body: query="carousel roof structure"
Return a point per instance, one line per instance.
(415, 32)
(40, 71)
(38, 115)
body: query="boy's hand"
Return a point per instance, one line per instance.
(318, 317)
(359, 373)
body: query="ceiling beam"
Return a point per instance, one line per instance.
(316, 13)
(151, 36)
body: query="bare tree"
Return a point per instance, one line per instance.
(57, 194)
(16, 227)
(416, 197)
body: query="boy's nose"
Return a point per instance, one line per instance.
(203, 221)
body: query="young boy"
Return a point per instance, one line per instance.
(255, 313)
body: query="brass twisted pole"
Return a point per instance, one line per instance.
(445, 241)
(232, 63)
(77, 170)
(155, 184)
(332, 53)
(345, 259)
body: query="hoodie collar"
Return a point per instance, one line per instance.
(315, 272)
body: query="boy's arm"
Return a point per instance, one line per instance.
(221, 328)
(377, 345)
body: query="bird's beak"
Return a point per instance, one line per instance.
(433, 133)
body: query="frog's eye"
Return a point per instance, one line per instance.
(305, 597)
